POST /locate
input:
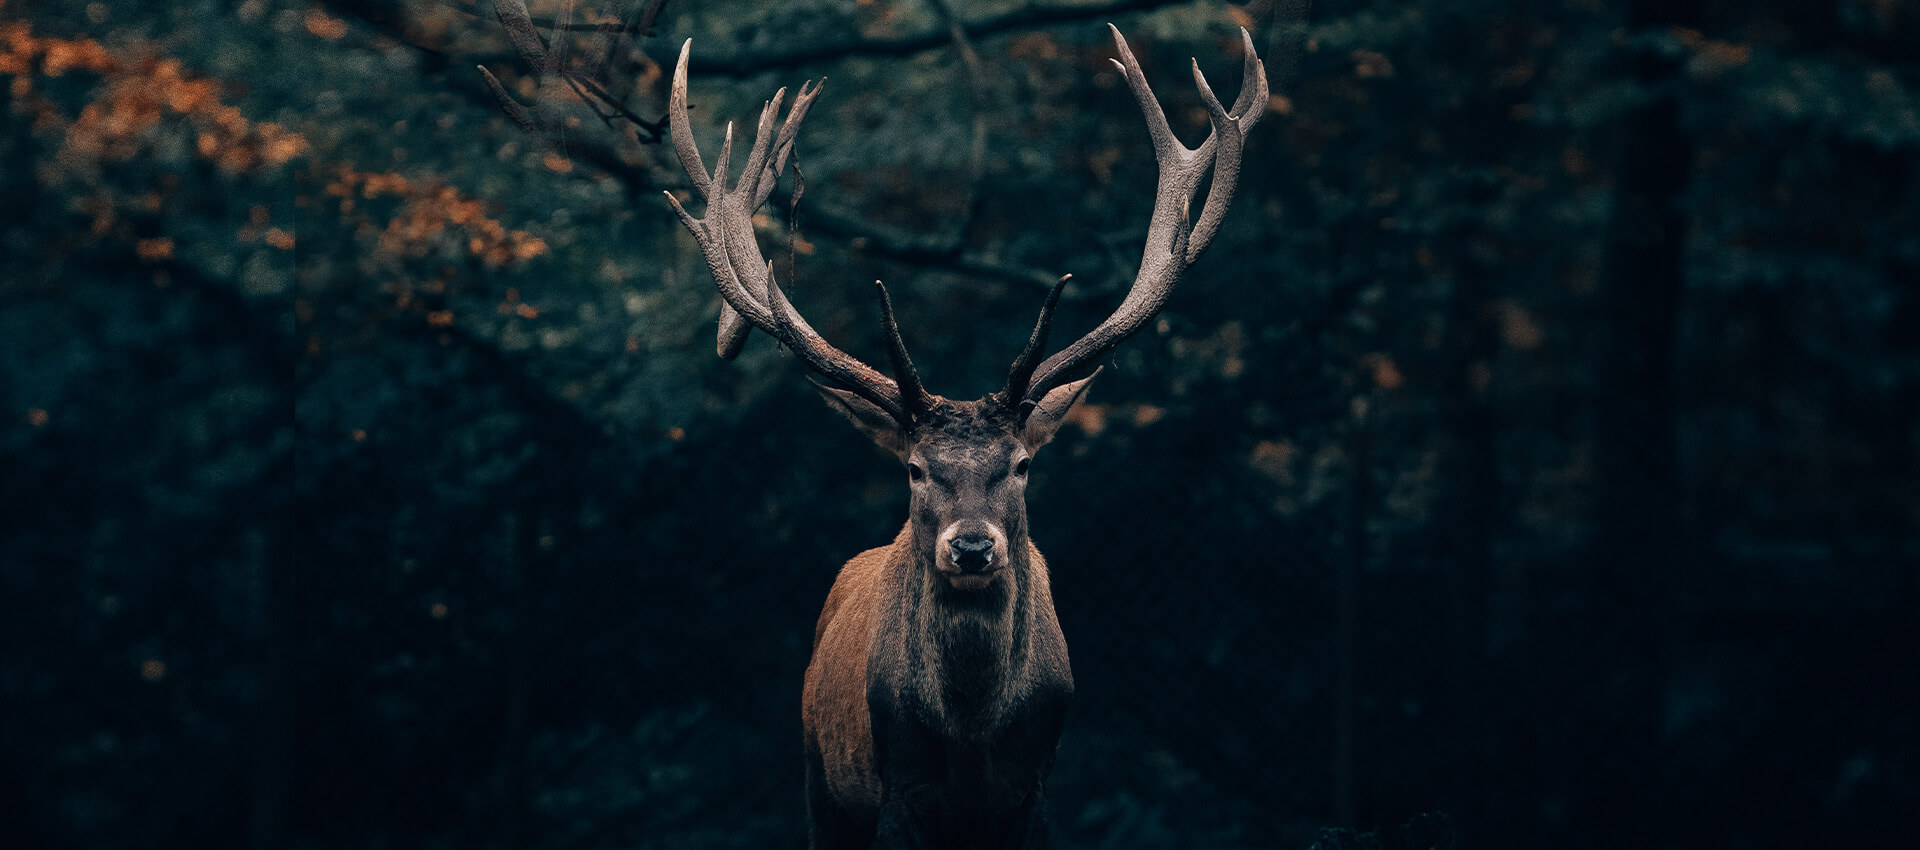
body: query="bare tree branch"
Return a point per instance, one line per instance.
(976, 75)
(933, 251)
(550, 59)
(939, 251)
(649, 15)
(749, 63)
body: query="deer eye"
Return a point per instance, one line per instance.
(915, 472)
(1020, 468)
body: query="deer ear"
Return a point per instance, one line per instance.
(872, 421)
(1052, 410)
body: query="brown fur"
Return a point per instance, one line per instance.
(834, 705)
(835, 714)
(937, 690)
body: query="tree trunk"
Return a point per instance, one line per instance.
(1638, 537)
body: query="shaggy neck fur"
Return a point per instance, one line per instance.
(967, 649)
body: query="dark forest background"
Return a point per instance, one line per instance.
(1532, 462)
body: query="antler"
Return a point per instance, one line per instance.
(745, 277)
(1173, 240)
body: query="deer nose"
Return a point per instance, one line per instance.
(972, 551)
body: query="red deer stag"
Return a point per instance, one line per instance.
(939, 677)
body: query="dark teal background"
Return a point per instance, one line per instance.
(1533, 460)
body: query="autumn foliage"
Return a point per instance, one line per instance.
(428, 210)
(140, 106)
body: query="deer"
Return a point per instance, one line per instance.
(939, 681)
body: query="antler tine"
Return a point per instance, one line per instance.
(756, 183)
(725, 159)
(726, 238)
(751, 175)
(1029, 358)
(783, 146)
(732, 335)
(1174, 238)
(681, 130)
(830, 362)
(913, 395)
(1230, 137)
(1251, 104)
(1164, 142)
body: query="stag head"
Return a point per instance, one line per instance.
(966, 461)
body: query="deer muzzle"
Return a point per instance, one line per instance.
(970, 552)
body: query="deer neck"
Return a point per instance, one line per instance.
(970, 650)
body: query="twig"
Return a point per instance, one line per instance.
(943, 250)
(936, 251)
(550, 58)
(748, 64)
(976, 76)
(649, 15)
